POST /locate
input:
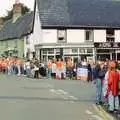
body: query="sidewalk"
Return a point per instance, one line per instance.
(105, 115)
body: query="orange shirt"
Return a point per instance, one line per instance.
(59, 65)
(49, 65)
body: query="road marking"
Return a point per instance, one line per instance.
(63, 92)
(97, 117)
(73, 97)
(88, 112)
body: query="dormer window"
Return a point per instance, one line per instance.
(62, 35)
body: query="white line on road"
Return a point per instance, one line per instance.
(62, 91)
(73, 97)
(88, 112)
(97, 117)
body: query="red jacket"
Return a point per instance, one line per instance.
(113, 82)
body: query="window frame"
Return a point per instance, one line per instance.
(91, 34)
(65, 36)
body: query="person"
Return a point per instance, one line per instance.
(54, 68)
(113, 88)
(49, 66)
(59, 68)
(36, 69)
(69, 68)
(27, 68)
(99, 81)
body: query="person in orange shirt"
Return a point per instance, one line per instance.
(59, 68)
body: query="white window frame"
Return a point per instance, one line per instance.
(62, 34)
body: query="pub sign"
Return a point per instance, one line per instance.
(107, 45)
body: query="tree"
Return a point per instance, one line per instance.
(9, 16)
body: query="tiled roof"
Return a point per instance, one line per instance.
(21, 27)
(79, 13)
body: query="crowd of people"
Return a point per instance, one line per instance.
(105, 74)
(107, 80)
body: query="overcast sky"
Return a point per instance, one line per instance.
(7, 5)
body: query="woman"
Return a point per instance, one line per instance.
(113, 88)
(99, 80)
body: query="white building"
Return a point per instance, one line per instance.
(64, 28)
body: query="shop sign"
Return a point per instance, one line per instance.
(107, 45)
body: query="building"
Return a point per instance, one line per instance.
(13, 32)
(76, 28)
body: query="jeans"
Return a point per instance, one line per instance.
(113, 102)
(98, 91)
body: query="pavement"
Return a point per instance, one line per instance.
(24, 98)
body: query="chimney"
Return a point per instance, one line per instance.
(1, 22)
(17, 10)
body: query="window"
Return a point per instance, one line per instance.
(89, 35)
(110, 32)
(110, 35)
(27, 40)
(89, 51)
(51, 51)
(62, 35)
(44, 51)
(81, 50)
(75, 50)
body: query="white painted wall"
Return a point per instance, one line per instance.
(117, 35)
(75, 36)
(99, 35)
(49, 36)
(36, 36)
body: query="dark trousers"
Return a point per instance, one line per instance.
(36, 74)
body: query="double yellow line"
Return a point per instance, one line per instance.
(103, 113)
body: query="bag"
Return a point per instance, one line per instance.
(119, 85)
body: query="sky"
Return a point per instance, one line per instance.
(8, 4)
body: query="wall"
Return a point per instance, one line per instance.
(75, 36)
(36, 36)
(11, 45)
(99, 35)
(49, 36)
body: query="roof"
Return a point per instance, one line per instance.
(21, 27)
(79, 13)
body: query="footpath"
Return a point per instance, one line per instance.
(105, 114)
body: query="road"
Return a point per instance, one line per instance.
(24, 98)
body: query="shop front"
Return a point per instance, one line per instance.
(107, 50)
(65, 51)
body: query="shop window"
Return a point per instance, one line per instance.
(44, 51)
(50, 51)
(62, 35)
(66, 51)
(89, 51)
(74, 50)
(57, 51)
(81, 50)
(89, 35)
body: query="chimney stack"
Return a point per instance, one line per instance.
(17, 10)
